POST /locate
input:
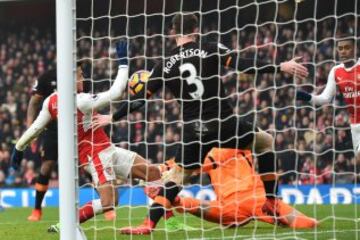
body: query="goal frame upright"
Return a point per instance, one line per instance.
(67, 137)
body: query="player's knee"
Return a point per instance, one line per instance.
(176, 175)
(264, 142)
(153, 173)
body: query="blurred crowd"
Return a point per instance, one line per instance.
(313, 145)
(25, 53)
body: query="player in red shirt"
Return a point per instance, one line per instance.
(105, 162)
(240, 194)
(345, 76)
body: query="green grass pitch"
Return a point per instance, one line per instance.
(337, 222)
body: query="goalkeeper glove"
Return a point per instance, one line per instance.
(121, 50)
(304, 96)
(16, 157)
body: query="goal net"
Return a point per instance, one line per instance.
(317, 166)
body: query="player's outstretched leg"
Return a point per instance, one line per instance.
(162, 202)
(171, 222)
(108, 200)
(229, 214)
(267, 162)
(41, 187)
(283, 213)
(287, 215)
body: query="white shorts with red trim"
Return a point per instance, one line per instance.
(110, 164)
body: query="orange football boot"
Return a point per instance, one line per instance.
(110, 215)
(35, 215)
(144, 229)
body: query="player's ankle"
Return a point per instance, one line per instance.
(148, 222)
(168, 214)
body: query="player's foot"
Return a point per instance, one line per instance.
(35, 215)
(286, 215)
(295, 218)
(173, 224)
(54, 228)
(110, 215)
(144, 229)
(271, 208)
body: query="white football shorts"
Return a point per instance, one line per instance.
(110, 164)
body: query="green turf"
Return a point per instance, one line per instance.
(13, 225)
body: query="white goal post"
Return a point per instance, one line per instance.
(66, 73)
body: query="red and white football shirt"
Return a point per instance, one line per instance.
(90, 142)
(348, 82)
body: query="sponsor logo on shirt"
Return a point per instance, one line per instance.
(350, 92)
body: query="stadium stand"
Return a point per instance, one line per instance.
(305, 157)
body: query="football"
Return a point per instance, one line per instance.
(137, 81)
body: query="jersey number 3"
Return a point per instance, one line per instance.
(193, 78)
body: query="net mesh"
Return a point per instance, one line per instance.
(313, 145)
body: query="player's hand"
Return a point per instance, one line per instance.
(121, 51)
(294, 68)
(16, 157)
(99, 121)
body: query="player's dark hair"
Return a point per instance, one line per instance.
(346, 37)
(80, 63)
(49, 75)
(85, 66)
(185, 23)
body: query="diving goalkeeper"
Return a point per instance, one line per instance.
(240, 195)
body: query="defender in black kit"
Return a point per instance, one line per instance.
(192, 74)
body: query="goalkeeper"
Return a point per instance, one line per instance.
(240, 195)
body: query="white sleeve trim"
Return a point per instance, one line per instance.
(88, 102)
(36, 127)
(329, 92)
